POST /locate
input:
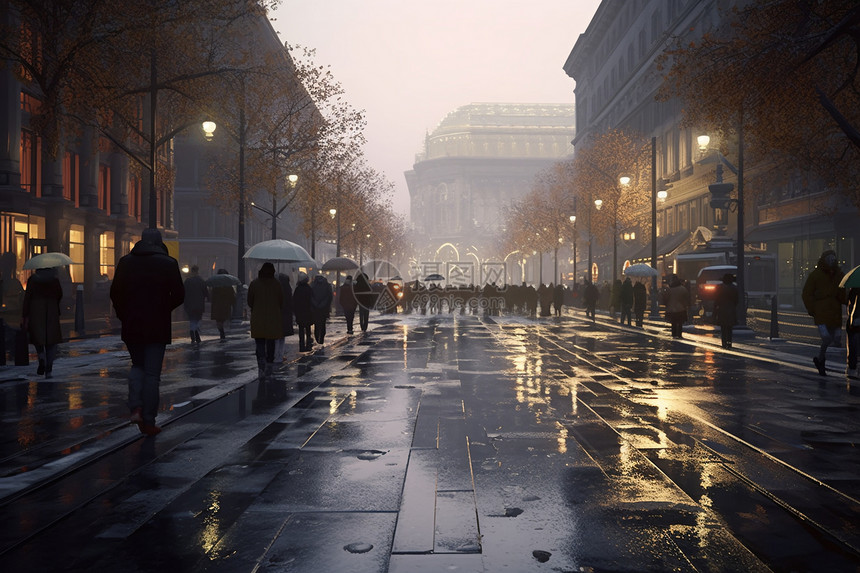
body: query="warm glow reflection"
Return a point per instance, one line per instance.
(211, 532)
(76, 401)
(562, 438)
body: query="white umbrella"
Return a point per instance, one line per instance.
(640, 270)
(48, 260)
(278, 250)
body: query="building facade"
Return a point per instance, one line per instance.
(91, 201)
(481, 159)
(614, 65)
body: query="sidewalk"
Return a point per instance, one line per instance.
(49, 427)
(414, 448)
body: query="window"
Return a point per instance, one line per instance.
(134, 194)
(30, 163)
(71, 169)
(104, 187)
(76, 253)
(107, 254)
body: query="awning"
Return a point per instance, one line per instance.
(665, 245)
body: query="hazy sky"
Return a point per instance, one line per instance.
(408, 63)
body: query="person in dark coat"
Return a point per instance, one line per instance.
(531, 300)
(303, 312)
(626, 299)
(40, 316)
(823, 300)
(366, 298)
(265, 300)
(615, 298)
(726, 308)
(286, 315)
(196, 294)
(321, 299)
(223, 297)
(640, 300)
(590, 296)
(347, 301)
(677, 305)
(147, 286)
(558, 298)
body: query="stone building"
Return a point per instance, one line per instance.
(613, 63)
(480, 160)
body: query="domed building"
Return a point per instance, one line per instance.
(480, 160)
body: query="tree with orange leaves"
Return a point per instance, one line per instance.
(613, 167)
(787, 73)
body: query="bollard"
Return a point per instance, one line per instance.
(774, 323)
(80, 325)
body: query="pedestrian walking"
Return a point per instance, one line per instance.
(677, 305)
(196, 295)
(366, 299)
(303, 312)
(558, 298)
(286, 316)
(265, 300)
(615, 298)
(590, 296)
(640, 300)
(346, 299)
(852, 328)
(321, 299)
(726, 308)
(627, 301)
(223, 297)
(147, 286)
(823, 300)
(40, 316)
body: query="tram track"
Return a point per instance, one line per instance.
(810, 502)
(42, 497)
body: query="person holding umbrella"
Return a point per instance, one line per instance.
(347, 301)
(40, 316)
(265, 300)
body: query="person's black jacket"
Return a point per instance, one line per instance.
(147, 286)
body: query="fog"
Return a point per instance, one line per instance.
(409, 63)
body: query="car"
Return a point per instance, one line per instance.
(706, 286)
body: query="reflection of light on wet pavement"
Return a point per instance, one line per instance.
(211, 532)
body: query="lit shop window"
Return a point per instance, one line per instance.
(76, 252)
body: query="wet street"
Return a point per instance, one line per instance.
(438, 443)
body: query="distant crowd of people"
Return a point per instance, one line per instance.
(148, 285)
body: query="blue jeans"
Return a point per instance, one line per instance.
(144, 378)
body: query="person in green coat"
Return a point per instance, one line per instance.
(823, 300)
(265, 300)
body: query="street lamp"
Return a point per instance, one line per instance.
(208, 132)
(573, 223)
(719, 198)
(333, 213)
(275, 213)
